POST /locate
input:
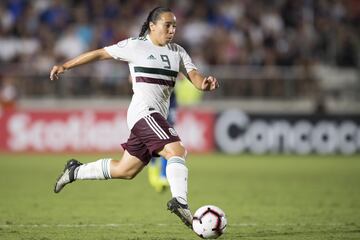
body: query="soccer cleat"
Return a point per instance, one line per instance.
(181, 210)
(67, 176)
(161, 185)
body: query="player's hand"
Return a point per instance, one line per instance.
(55, 71)
(210, 83)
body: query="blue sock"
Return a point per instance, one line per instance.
(163, 167)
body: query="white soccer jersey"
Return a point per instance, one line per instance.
(153, 71)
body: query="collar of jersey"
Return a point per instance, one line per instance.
(148, 38)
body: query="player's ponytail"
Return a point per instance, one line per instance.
(152, 17)
(144, 29)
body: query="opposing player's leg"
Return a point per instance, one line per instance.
(163, 167)
(163, 182)
(127, 168)
(153, 172)
(157, 174)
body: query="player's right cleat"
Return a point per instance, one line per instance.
(68, 175)
(181, 210)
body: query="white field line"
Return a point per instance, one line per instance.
(115, 225)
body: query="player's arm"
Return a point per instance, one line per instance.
(203, 83)
(87, 57)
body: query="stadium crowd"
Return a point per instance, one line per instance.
(39, 33)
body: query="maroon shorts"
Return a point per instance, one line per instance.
(148, 136)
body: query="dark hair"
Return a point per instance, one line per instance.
(152, 17)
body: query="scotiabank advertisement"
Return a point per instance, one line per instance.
(229, 131)
(91, 131)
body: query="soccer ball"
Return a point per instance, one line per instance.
(209, 222)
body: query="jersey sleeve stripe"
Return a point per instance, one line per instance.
(160, 71)
(155, 81)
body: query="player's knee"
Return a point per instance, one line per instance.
(173, 150)
(182, 153)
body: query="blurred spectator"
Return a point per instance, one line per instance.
(8, 94)
(326, 29)
(320, 107)
(70, 44)
(228, 32)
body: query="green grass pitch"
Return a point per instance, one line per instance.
(265, 197)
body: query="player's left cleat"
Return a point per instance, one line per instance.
(68, 175)
(182, 211)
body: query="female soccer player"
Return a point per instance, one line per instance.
(154, 64)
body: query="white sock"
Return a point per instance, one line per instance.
(177, 175)
(94, 170)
